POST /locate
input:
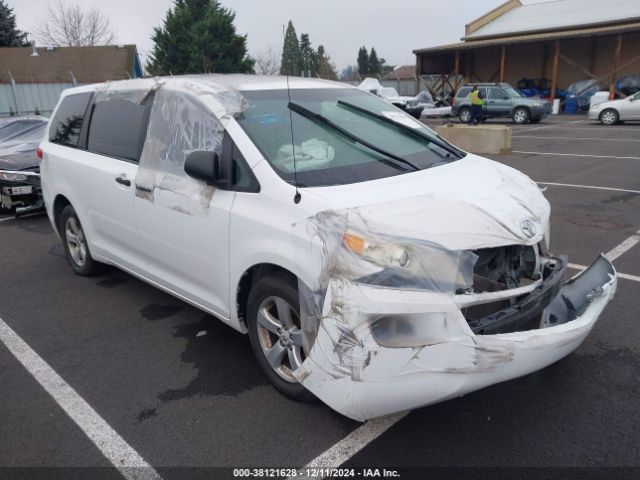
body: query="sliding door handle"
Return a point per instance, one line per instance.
(123, 181)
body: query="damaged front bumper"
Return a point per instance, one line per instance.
(21, 191)
(380, 350)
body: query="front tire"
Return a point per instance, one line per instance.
(75, 243)
(609, 117)
(275, 333)
(520, 116)
(465, 115)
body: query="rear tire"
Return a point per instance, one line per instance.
(75, 243)
(521, 116)
(609, 117)
(273, 320)
(465, 115)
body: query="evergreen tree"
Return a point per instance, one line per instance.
(290, 52)
(375, 66)
(363, 62)
(10, 36)
(198, 36)
(326, 68)
(308, 57)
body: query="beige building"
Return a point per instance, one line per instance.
(561, 41)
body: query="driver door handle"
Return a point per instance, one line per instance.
(123, 181)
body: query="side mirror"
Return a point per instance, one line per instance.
(204, 166)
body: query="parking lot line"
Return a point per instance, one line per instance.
(593, 187)
(628, 244)
(591, 127)
(626, 276)
(6, 219)
(354, 442)
(553, 125)
(544, 137)
(123, 457)
(575, 155)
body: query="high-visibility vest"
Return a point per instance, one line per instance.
(475, 98)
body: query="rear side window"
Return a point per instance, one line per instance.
(67, 122)
(117, 128)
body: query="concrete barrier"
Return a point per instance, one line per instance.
(495, 139)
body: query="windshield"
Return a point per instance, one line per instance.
(335, 143)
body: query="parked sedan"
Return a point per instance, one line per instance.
(20, 165)
(616, 111)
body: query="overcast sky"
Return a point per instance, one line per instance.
(393, 27)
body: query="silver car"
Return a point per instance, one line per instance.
(616, 111)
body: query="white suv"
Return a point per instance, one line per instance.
(373, 264)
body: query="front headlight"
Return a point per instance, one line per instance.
(12, 177)
(381, 253)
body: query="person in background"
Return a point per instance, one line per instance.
(476, 106)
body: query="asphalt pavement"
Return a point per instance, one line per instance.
(184, 391)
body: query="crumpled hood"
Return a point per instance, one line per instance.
(468, 204)
(26, 160)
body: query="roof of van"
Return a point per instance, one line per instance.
(217, 81)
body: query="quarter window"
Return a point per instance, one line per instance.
(117, 128)
(68, 120)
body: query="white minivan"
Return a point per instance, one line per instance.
(373, 264)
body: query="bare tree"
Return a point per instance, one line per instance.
(267, 62)
(72, 25)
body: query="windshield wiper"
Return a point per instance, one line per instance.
(305, 112)
(405, 128)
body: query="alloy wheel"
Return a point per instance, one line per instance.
(520, 116)
(280, 336)
(76, 241)
(609, 117)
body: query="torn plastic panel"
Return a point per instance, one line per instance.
(124, 90)
(387, 308)
(350, 246)
(185, 118)
(375, 342)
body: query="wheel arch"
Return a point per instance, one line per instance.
(248, 278)
(59, 204)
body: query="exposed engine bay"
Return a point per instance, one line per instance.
(515, 284)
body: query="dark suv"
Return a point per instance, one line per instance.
(500, 100)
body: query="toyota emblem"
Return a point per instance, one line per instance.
(528, 228)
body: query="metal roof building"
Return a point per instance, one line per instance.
(31, 79)
(559, 41)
